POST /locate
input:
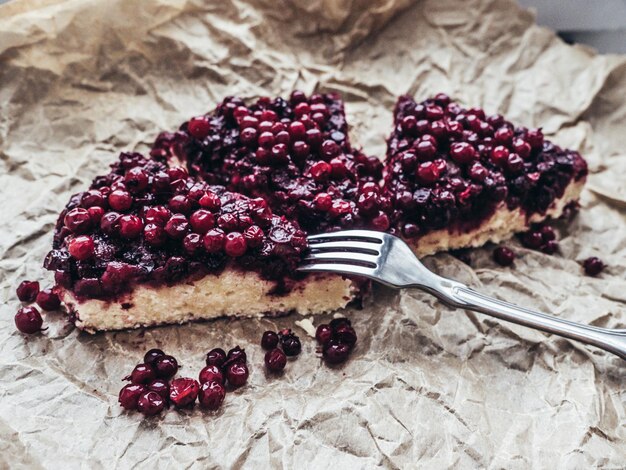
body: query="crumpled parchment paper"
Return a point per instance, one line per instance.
(427, 386)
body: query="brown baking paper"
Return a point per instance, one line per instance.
(426, 386)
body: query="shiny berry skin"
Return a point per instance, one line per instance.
(427, 173)
(92, 198)
(136, 180)
(237, 374)
(499, 155)
(27, 291)
(236, 354)
(216, 357)
(152, 355)
(462, 152)
(202, 221)
(593, 266)
(96, 214)
(235, 244)
(161, 386)
(154, 235)
(532, 239)
(339, 322)
(211, 395)
(269, 340)
(214, 240)
(177, 227)
(323, 334)
(425, 150)
(550, 247)
(129, 395)
(143, 374)
(81, 247)
(166, 366)
(254, 236)
(48, 300)
(503, 256)
(28, 320)
(335, 352)
(547, 233)
(211, 373)
(345, 334)
(120, 200)
(199, 127)
(130, 227)
(290, 344)
(320, 171)
(184, 391)
(210, 201)
(109, 223)
(150, 403)
(275, 360)
(78, 220)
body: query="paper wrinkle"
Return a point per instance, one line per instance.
(427, 385)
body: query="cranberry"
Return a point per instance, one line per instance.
(210, 201)
(335, 352)
(150, 403)
(120, 200)
(216, 357)
(27, 291)
(28, 320)
(550, 247)
(143, 374)
(92, 198)
(345, 334)
(320, 171)
(532, 239)
(177, 227)
(213, 241)
(202, 221)
(237, 374)
(154, 235)
(152, 355)
(78, 220)
(462, 152)
(211, 395)
(184, 391)
(254, 236)
(521, 147)
(427, 173)
(235, 244)
(269, 340)
(130, 226)
(425, 150)
(547, 233)
(109, 223)
(129, 395)
(180, 204)
(48, 300)
(162, 387)
(136, 179)
(199, 127)
(236, 354)
(593, 266)
(514, 163)
(504, 135)
(166, 366)
(290, 344)
(503, 256)
(81, 247)
(96, 214)
(323, 334)
(275, 360)
(535, 138)
(212, 373)
(192, 243)
(330, 148)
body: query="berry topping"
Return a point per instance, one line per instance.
(48, 300)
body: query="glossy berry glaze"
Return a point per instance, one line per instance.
(293, 153)
(150, 223)
(451, 167)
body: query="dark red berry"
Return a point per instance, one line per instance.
(236, 354)
(166, 366)
(129, 395)
(345, 334)
(78, 220)
(210, 374)
(81, 247)
(335, 352)
(237, 374)
(593, 266)
(216, 357)
(290, 344)
(199, 127)
(550, 247)
(48, 300)
(152, 355)
(211, 395)
(235, 244)
(150, 403)
(338, 322)
(28, 320)
(503, 256)
(143, 374)
(532, 239)
(120, 200)
(275, 360)
(184, 391)
(161, 386)
(269, 340)
(213, 241)
(27, 291)
(323, 334)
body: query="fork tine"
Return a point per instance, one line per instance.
(347, 245)
(347, 258)
(338, 268)
(363, 235)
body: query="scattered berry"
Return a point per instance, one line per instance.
(150, 403)
(211, 374)
(166, 367)
(27, 291)
(48, 300)
(503, 256)
(269, 340)
(28, 320)
(216, 357)
(152, 355)
(275, 360)
(237, 374)
(143, 374)
(593, 266)
(184, 391)
(211, 395)
(161, 386)
(129, 394)
(290, 343)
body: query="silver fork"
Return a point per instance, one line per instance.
(388, 260)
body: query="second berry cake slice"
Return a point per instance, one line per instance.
(459, 178)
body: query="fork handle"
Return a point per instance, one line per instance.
(461, 296)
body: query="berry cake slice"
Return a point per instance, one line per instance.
(458, 178)
(293, 153)
(148, 244)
